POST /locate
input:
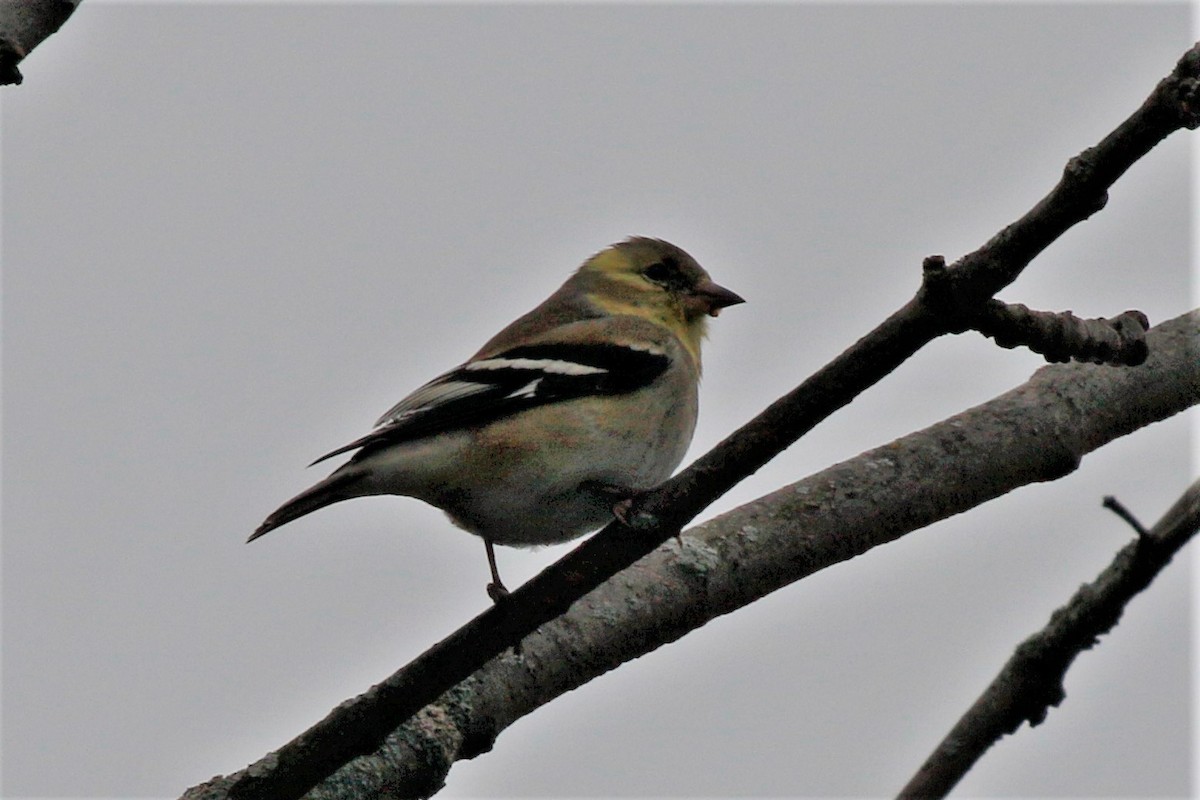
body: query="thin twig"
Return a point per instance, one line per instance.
(1032, 679)
(1117, 507)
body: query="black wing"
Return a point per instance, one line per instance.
(510, 382)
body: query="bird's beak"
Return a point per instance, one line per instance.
(711, 298)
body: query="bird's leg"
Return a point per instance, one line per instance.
(496, 589)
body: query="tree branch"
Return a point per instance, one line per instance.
(1038, 431)
(24, 24)
(946, 302)
(1062, 336)
(1032, 679)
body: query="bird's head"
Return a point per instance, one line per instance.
(658, 281)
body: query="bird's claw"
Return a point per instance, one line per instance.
(630, 517)
(621, 511)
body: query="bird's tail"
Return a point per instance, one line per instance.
(338, 486)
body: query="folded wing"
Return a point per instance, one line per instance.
(515, 380)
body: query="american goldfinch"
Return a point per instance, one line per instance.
(559, 419)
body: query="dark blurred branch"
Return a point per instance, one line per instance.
(948, 296)
(24, 24)
(1032, 680)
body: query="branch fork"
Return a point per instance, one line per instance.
(1057, 336)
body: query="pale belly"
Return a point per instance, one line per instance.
(560, 488)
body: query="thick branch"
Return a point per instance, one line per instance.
(1032, 680)
(1035, 432)
(23, 26)
(360, 726)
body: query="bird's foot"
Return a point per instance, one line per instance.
(496, 589)
(624, 507)
(498, 592)
(621, 511)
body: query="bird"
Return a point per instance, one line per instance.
(562, 418)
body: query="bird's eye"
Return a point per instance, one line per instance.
(657, 272)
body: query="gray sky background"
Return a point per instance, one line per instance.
(233, 236)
